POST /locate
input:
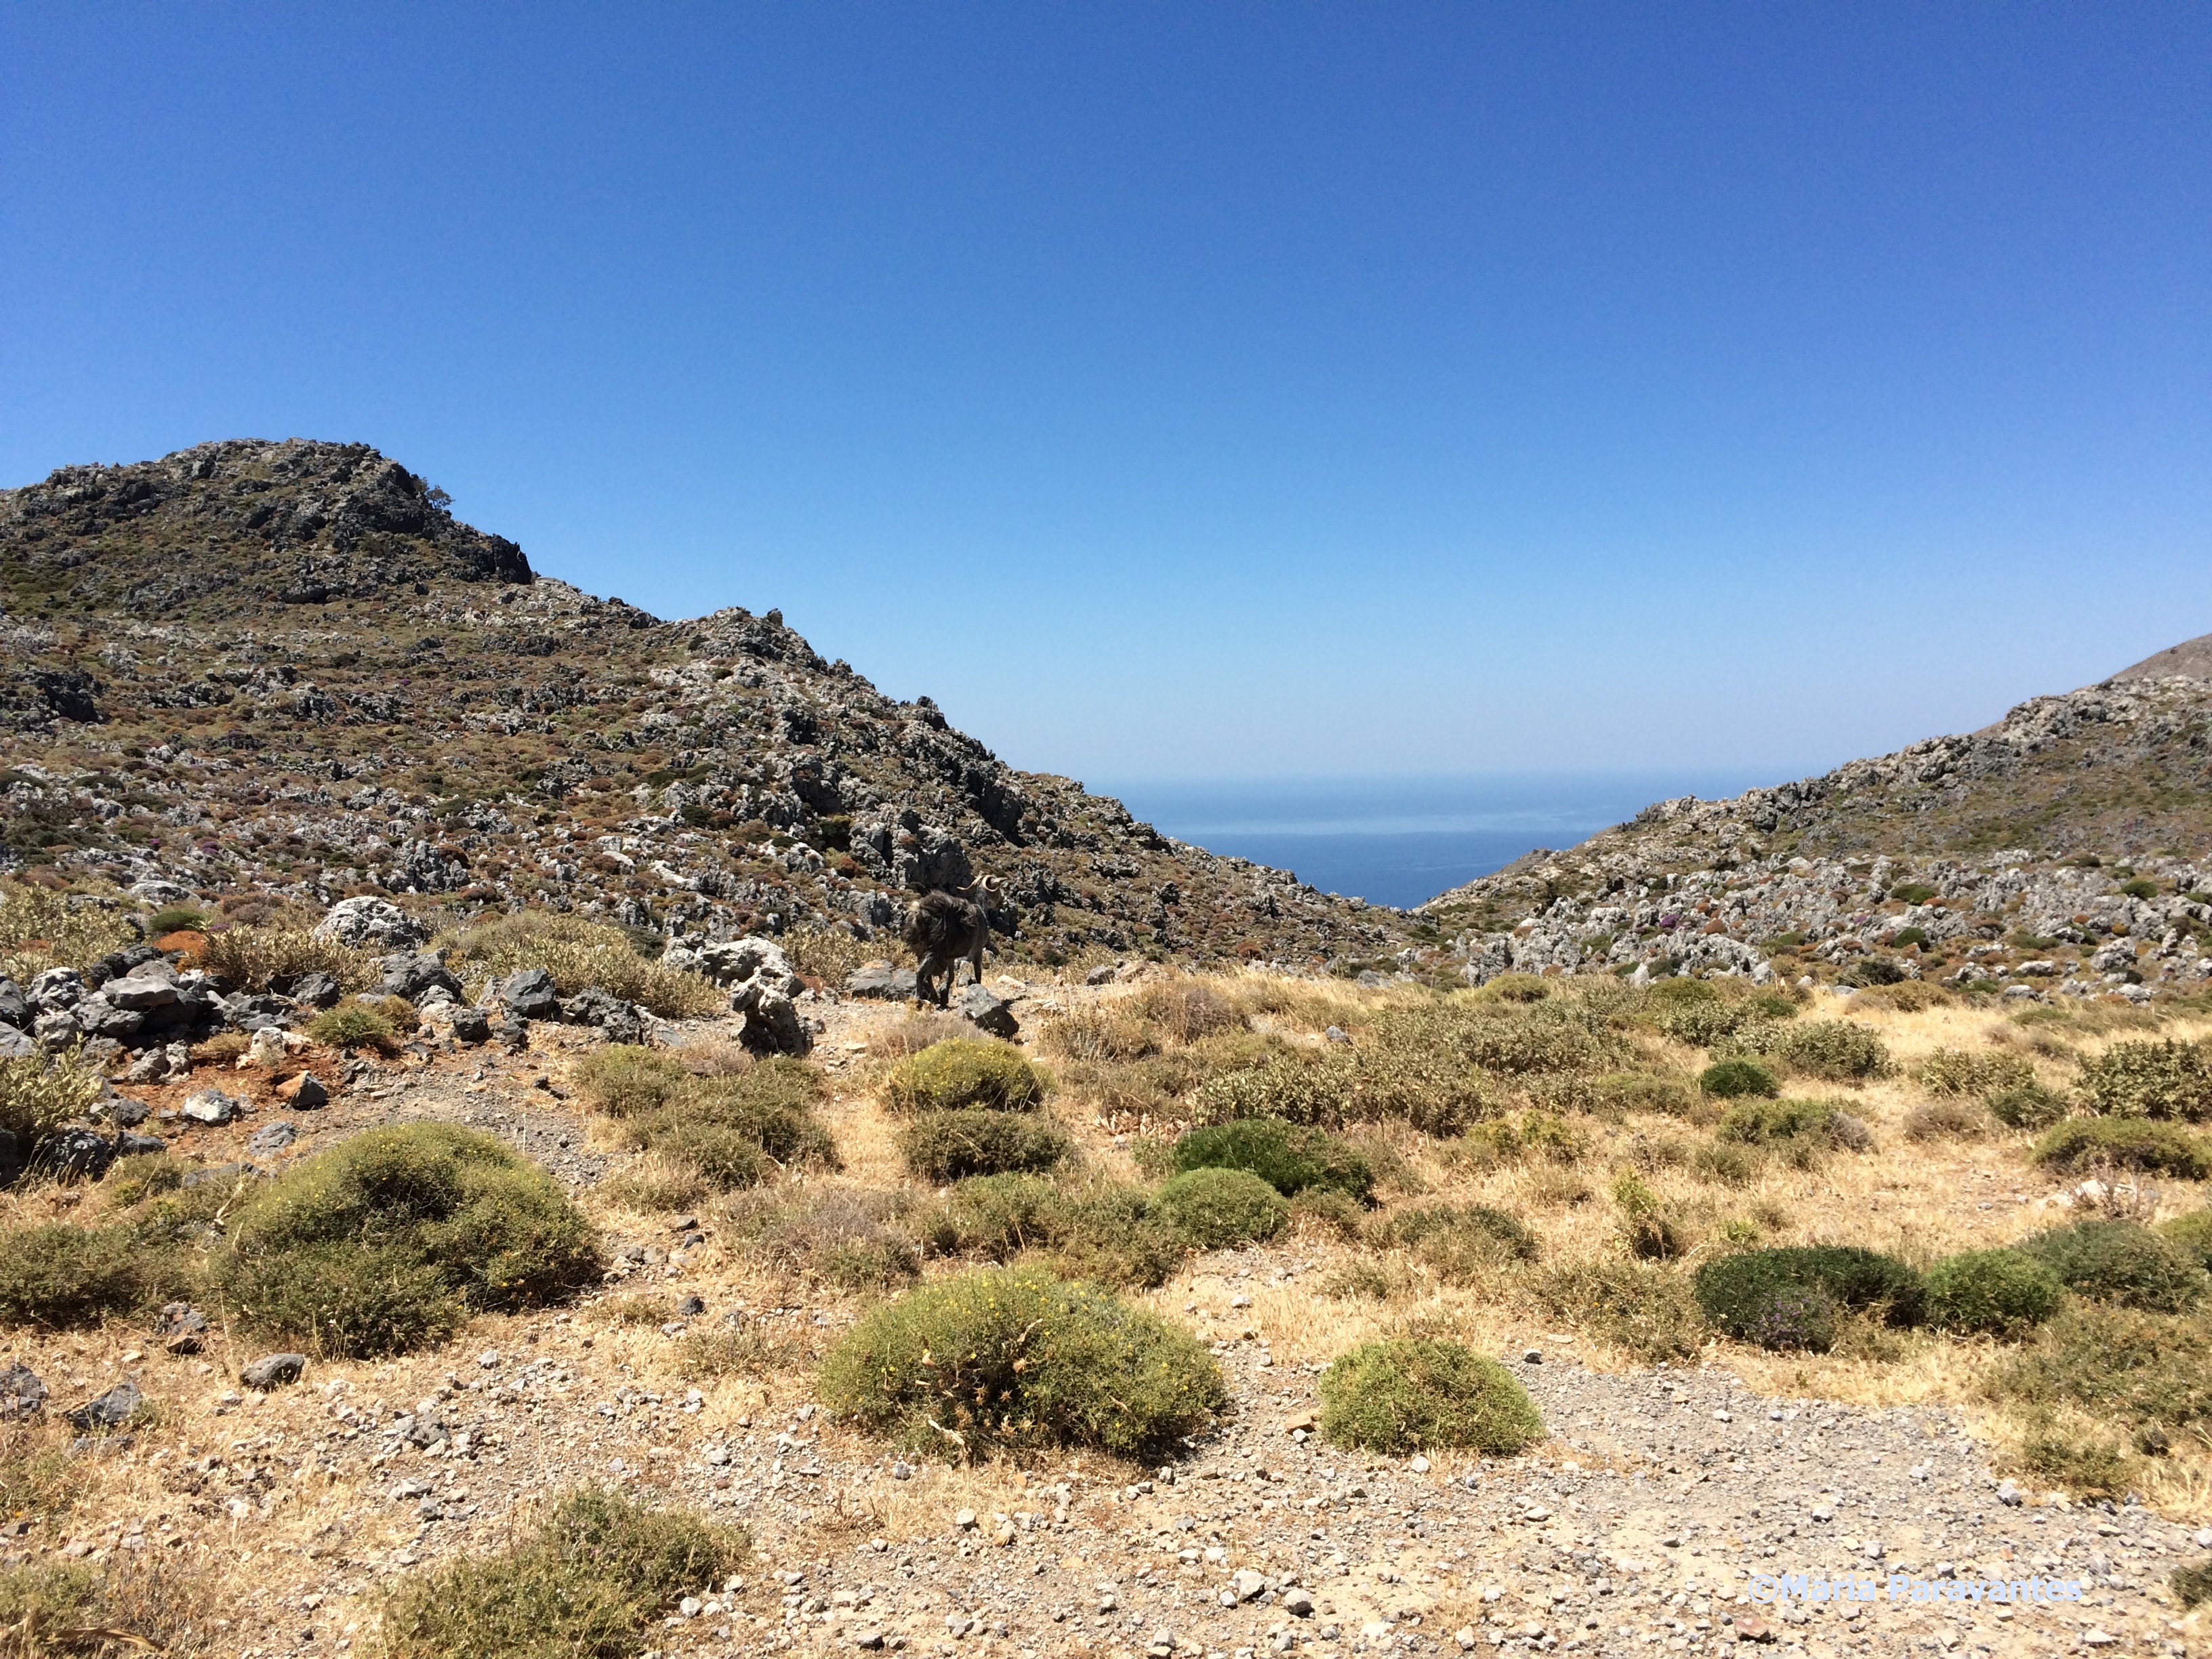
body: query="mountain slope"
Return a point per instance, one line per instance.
(2010, 828)
(286, 668)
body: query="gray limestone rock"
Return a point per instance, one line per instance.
(273, 1371)
(110, 1410)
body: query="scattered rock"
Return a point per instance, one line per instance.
(273, 1371)
(470, 1025)
(21, 1393)
(411, 973)
(315, 990)
(266, 1048)
(528, 993)
(179, 1327)
(76, 1154)
(881, 980)
(987, 1012)
(271, 1138)
(367, 920)
(303, 1093)
(210, 1106)
(109, 1410)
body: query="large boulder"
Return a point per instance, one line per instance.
(881, 980)
(371, 922)
(528, 993)
(155, 892)
(988, 1013)
(76, 1154)
(411, 973)
(15, 1006)
(762, 985)
(615, 1020)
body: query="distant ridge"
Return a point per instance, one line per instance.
(2192, 657)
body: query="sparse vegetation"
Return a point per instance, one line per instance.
(1991, 1292)
(1642, 1309)
(39, 1093)
(2118, 1263)
(1222, 1209)
(1288, 1158)
(1411, 1393)
(2090, 1143)
(590, 1582)
(2163, 1079)
(391, 1239)
(964, 1072)
(942, 1147)
(579, 953)
(1009, 1356)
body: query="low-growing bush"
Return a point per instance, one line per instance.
(838, 1236)
(1328, 1213)
(1764, 1122)
(267, 958)
(2127, 1367)
(737, 1129)
(2030, 1106)
(1186, 1010)
(1288, 1157)
(946, 1076)
(41, 924)
(2192, 1234)
(592, 1582)
(1704, 1022)
(1458, 1243)
(1945, 1118)
(354, 1025)
(1991, 1292)
(39, 1093)
(942, 1147)
(1952, 1073)
(391, 1239)
(1638, 1307)
(625, 1079)
(1646, 1226)
(1106, 1231)
(1009, 1356)
(579, 953)
(2085, 1467)
(2118, 1263)
(1725, 1162)
(1731, 1079)
(1835, 1050)
(1790, 1298)
(1639, 1091)
(2191, 1583)
(57, 1275)
(1093, 1035)
(1221, 1209)
(2093, 1142)
(1410, 1393)
(143, 1175)
(2164, 1079)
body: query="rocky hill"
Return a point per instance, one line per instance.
(2069, 844)
(287, 669)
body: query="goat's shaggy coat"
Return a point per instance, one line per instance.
(943, 929)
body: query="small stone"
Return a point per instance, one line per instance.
(902, 1471)
(266, 1047)
(211, 1108)
(109, 1410)
(303, 1093)
(1419, 1465)
(1532, 1356)
(2009, 1494)
(21, 1393)
(965, 1520)
(691, 1306)
(180, 1326)
(273, 1371)
(1298, 1603)
(868, 1637)
(271, 1138)
(1245, 1583)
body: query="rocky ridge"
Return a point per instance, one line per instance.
(285, 669)
(2065, 847)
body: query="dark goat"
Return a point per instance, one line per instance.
(944, 928)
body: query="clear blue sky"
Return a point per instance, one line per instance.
(1176, 390)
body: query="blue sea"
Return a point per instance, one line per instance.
(1402, 841)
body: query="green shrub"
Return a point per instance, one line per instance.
(1762, 1122)
(1287, 1158)
(2131, 1368)
(1009, 1357)
(1938, 1119)
(176, 919)
(57, 1275)
(946, 1076)
(1725, 1161)
(1703, 1021)
(2091, 1143)
(2119, 1262)
(2030, 1106)
(1409, 1394)
(1729, 1078)
(1221, 1209)
(592, 1582)
(2165, 1080)
(1645, 1225)
(1640, 1091)
(143, 1175)
(1993, 1292)
(261, 957)
(735, 1130)
(1515, 988)
(388, 1240)
(38, 1093)
(2086, 1467)
(1333, 1213)
(2192, 1234)
(352, 1024)
(1105, 1232)
(1913, 892)
(1679, 993)
(2139, 887)
(1458, 1243)
(1952, 1073)
(1836, 1050)
(942, 1147)
(1638, 1307)
(623, 1080)
(1790, 1298)
(2191, 1583)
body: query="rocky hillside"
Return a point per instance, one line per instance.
(285, 669)
(2067, 845)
